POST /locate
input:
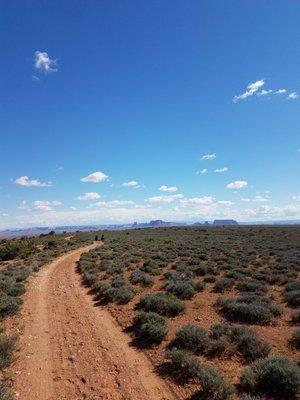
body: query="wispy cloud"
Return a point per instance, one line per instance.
(207, 157)
(252, 88)
(293, 96)
(170, 189)
(205, 200)
(25, 181)
(113, 204)
(237, 185)
(219, 170)
(132, 184)
(42, 205)
(95, 177)
(280, 91)
(202, 171)
(89, 196)
(44, 63)
(165, 198)
(264, 92)
(23, 205)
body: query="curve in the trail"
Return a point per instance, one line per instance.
(70, 350)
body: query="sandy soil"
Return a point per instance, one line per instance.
(70, 349)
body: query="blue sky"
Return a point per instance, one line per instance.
(141, 92)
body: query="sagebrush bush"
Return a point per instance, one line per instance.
(292, 297)
(151, 327)
(295, 340)
(161, 303)
(223, 284)
(7, 345)
(191, 338)
(9, 305)
(138, 276)
(296, 317)
(229, 339)
(184, 289)
(272, 376)
(250, 309)
(213, 385)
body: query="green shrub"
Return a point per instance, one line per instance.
(251, 286)
(9, 305)
(184, 289)
(161, 303)
(7, 345)
(213, 385)
(296, 317)
(223, 285)
(292, 297)
(138, 276)
(295, 340)
(151, 326)
(250, 309)
(248, 343)
(191, 338)
(272, 376)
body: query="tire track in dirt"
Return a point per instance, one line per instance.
(70, 349)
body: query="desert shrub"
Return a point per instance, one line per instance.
(199, 286)
(161, 303)
(150, 266)
(212, 383)
(9, 305)
(138, 276)
(223, 284)
(191, 338)
(209, 279)
(184, 289)
(251, 286)
(248, 343)
(7, 345)
(291, 286)
(151, 326)
(250, 309)
(124, 294)
(221, 347)
(295, 340)
(272, 375)
(296, 317)
(185, 364)
(292, 297)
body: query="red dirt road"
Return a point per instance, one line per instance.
(70, 350)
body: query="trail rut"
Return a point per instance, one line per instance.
(69, 349)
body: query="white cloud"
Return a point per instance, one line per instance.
(95, 177)
(224, 169)
(205, 200)
(227, 203)
(60, 168)
(293, 96)
(89, 196)
(207, 157)
(45, 205)
(237, 185)
(202, 171)
(280, 91)
(260, 199)
(165, 198)
(246, 200)
(264, 92)
(25, 181)
(296, 198)
(133, 184)
(43, 62)
(170, 189)
(73, 208)
(113, 204)
(23, 205)
(252, 88)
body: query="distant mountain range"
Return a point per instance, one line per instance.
(11, 233)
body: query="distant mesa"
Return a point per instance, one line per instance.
(225, 222)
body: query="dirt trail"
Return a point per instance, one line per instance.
(70, 349)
